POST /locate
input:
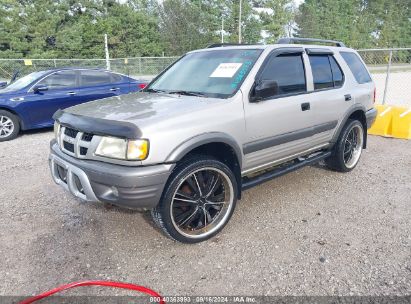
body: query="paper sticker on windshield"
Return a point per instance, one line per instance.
(226, 70)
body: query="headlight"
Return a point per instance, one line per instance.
(56, 129)
(122, 148)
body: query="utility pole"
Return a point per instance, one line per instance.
(106, 51)
(239, 22)
(222, 28)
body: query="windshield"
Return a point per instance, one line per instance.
(23, 82)
(217, 73)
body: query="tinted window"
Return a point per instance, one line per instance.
(322, 74)
(288, 71)
(94, 78)
(60, 80)
(326, 72)
(338, 75)
(356, 67)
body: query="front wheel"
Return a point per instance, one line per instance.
(9, 126)
(198, 200)
(348, 149)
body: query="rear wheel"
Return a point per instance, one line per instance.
(9, 126)
(198, 201)
(348, 149)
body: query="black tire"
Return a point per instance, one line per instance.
(205, 171)
(8, 117)
(339, 159)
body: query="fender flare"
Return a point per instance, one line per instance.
(347, 114)
(206, 138)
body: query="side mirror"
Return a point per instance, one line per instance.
(40, 88)
(264, 89)
(3, 84)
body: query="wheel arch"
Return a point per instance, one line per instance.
(218, 145)
(356, 112)
(21, 121)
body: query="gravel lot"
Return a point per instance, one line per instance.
(311, 232)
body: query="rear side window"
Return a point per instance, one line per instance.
(322, 74)
(288, 71)
(356, 66)
(116, 78)
(338, 76)
(94, 78)
(326, 72)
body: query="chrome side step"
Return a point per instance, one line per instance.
(248, 183)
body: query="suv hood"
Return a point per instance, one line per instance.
(141, 107)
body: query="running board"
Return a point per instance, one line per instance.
(276, 172)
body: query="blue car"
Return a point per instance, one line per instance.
(31, 101)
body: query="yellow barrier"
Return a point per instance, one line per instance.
(383, 122)
(401, 122)
(392, 121)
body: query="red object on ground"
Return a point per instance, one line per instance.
(129, 286)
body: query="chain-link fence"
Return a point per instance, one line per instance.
(390, 69)
(140, 67)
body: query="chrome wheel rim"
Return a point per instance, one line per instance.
(6, 126)
(202, 202)
(353, 146)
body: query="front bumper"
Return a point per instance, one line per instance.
(94, 181)
(370, 117)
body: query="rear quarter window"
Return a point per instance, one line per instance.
(356, 66)
(115, 78)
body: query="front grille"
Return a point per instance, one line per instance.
(74, 142)
(71, 132)
(68, 146)
(83, 151)
(87, 137)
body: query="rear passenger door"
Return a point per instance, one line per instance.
(330, 99)
(95, 84)
(279, 126)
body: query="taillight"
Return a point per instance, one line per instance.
(375, 94)
(142, 85)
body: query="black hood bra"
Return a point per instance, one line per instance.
(98, 126)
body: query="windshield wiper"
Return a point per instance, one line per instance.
(188, 93)
(155, 91)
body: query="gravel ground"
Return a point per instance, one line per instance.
(311, 232)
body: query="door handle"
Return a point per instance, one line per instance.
(71, 93)
(305, 106)
(114, 89)
(347, 97)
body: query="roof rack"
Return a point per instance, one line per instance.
(214, 45)
(293, 40)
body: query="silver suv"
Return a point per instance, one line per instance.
(216, 122)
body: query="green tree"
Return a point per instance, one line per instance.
(73, 29)
(277, 18)
(359, 23)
